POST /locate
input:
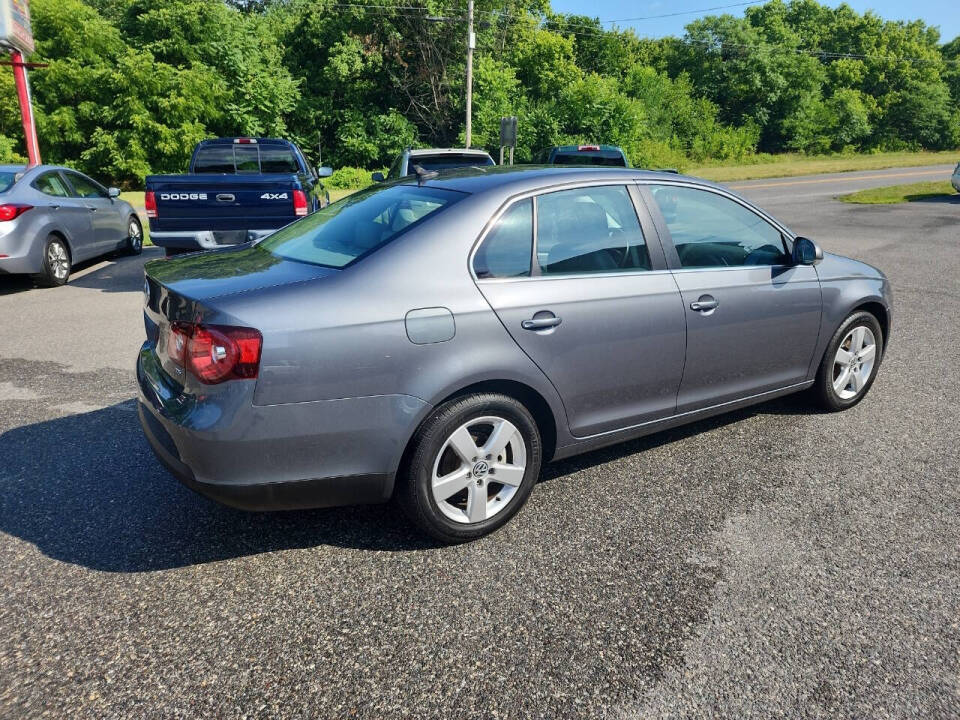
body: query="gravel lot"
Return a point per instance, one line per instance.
(775, 562)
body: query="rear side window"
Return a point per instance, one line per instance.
(358, 225)
(448, 162)
(589, 230)
(710, 230)
(51, 184)
(508, 247)
(85, 187)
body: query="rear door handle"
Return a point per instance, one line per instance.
(541, 323)
(704, 303)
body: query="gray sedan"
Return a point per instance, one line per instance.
(52, 218)
(439, 338)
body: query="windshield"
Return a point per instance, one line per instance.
(347, 230)
(7, 179)
(609, 158)
(448, 161)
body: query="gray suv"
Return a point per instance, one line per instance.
(440, 338)
(433, 159)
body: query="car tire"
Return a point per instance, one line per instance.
(56, 267)
(448, 450)
(844, 378)
(134, 236)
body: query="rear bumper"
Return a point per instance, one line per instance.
(204, 239)
(21, 249)
(276, 457)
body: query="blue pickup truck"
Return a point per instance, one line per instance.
(236, 190)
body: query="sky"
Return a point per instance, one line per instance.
(943, 13)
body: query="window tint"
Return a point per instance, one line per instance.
(7, 179)
(608, 158)
(354, 227)
(85, 187)
(507, 248)
(246, 158)
(277, 159)
(588, 230)
(214, 159)
(51, 184)
(448, 161)
(710, 230)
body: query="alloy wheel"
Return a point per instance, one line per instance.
(479, 469)
(854, 362)
(57, 260)
(136, 235)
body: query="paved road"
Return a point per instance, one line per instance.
(773, 563)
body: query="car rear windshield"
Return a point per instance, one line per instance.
(352, 228)
(609, 158)
(233, 159)
(7, 179)
(448, 161)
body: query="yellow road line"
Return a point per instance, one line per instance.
(946, 173)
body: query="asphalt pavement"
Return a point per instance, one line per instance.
(775, 562)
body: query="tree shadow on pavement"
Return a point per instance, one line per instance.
(121, 274)
(86, 489)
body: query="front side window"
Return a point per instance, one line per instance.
(589, 230)
(85, 187)
(51, 184)
(507, 248)
(356, 226)
(710, 230)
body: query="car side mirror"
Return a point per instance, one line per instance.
(113, 193)
(377, 177)
(806, 252)
(323, 172)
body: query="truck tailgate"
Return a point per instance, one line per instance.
(222, 202)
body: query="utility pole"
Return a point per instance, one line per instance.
(471, 42)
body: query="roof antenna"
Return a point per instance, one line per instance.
(424, 175)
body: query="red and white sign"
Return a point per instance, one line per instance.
(15, 31)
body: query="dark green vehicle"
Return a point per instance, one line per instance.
(604, 155)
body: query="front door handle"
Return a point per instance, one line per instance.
(541, 323)
(704, 303)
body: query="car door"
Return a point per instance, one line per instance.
(68, 213)
(752, 316)
(109, 228)
(582, 287)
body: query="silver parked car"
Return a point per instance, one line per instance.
(440, 337)
(52, 218)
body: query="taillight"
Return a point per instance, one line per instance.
(245, 141)
(150, 203)
(299, 203)
(215, 353)
(12, 211)
(588, 148)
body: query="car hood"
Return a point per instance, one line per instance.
(232, 270)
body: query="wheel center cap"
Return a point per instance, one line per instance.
(481, 469)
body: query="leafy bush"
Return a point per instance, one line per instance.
(349, 178)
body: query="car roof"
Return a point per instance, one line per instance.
(576, 148)
(451, 151)
(259, 141)
(515, 179)
(12, 168)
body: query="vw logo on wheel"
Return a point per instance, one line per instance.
(481, 469)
